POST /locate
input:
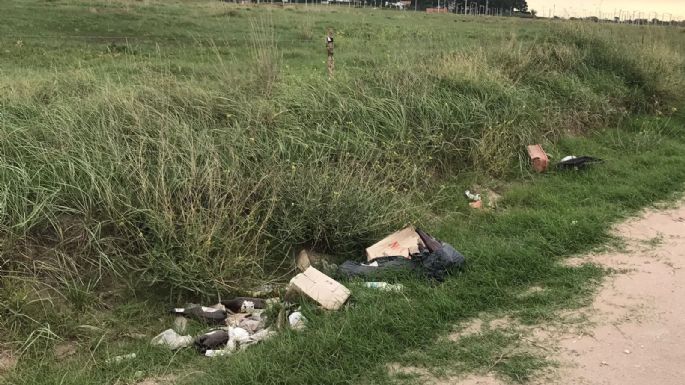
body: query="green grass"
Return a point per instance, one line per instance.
(154, 152)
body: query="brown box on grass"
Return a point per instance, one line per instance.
(401, 243)
(329, 293)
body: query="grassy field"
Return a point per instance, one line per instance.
(159, 151)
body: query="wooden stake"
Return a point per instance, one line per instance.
(329, 48)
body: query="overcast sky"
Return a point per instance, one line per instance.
(566, 8)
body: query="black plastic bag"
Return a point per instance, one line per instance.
(435, 260)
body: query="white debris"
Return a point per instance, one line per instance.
(118, 359)
(172, 340)
(297, 321)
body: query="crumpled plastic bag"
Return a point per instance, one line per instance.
(297, 321)
(172, 340)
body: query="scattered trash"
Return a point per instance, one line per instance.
(472, 197)
(202, 313)
(493, 199)
(251, 324)
(435, 259)
(380, 267)
(329, 293)
(440, 258)
(236, 337)
(211, 340)
(172, 340)
(121, 358)
(577, 162)
(402, 243)
(244, 304)
(384, 286)
(475, 199)
(538, 157)
(297, 321)
(246, 317)
(321, 262)
(262, 335)
(217, 353)
(180, 324)
(263, 291)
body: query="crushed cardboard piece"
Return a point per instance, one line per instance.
(402, 243)
(320, 261)
(321, 288)
(302, 260)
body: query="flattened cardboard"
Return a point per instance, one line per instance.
(401, 243)
(329, 293)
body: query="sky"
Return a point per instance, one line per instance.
(609, 8)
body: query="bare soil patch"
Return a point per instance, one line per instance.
(638, 319)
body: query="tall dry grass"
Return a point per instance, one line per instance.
(209, 188)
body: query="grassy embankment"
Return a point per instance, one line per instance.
(156, 151)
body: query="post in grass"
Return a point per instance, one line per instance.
(329, 48)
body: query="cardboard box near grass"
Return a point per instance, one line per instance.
(401, 243)
(312, 283)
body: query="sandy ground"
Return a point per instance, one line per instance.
(638, 318)
(633, 333)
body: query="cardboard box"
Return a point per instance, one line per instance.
(329, 293)
(401, 243)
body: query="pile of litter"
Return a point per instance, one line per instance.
(540, 160)
(408, 250)
(241, 322)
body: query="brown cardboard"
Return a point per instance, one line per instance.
(303, 261)
(401, 243)
(308, 258)
(329, 293)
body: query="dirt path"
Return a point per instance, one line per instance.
(638, 318)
